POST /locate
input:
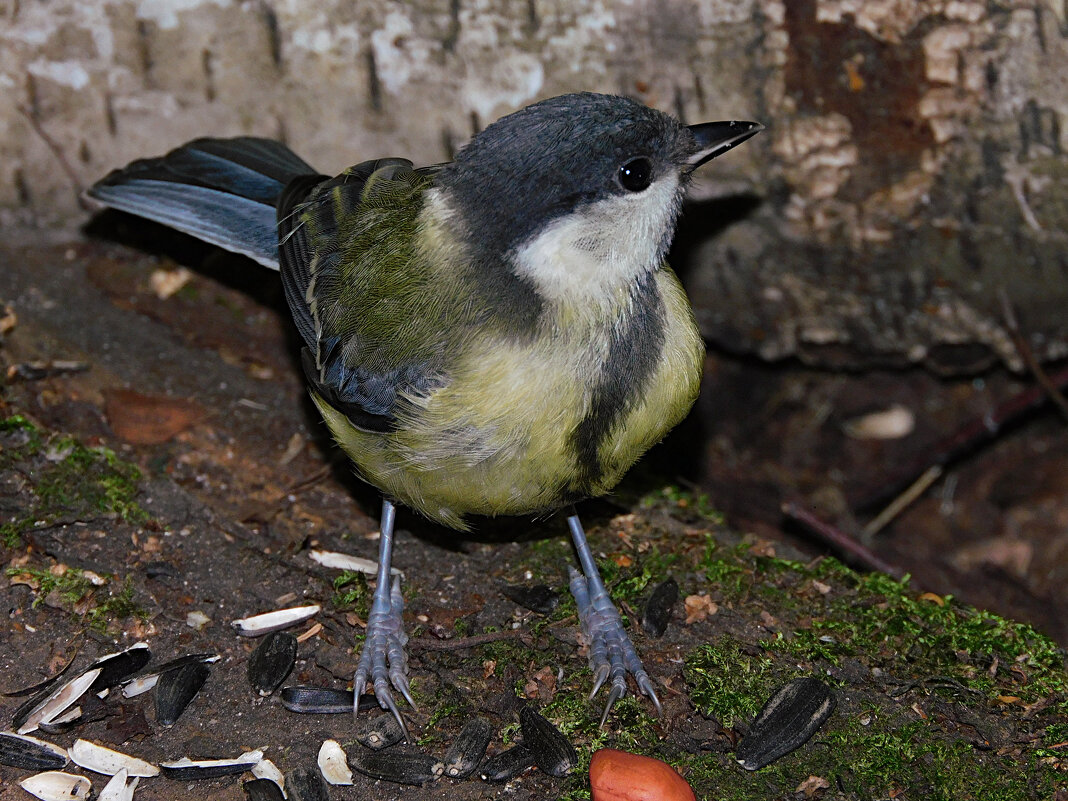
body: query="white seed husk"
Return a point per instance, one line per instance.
(258, 625)
(50, 709)
(103, 760)
(57, 786)
(118, 789)
(343, 561)
(142, 684)
(333, 763)
(265, 769)
(249, 757)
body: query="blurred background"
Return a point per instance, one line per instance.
(881, 276)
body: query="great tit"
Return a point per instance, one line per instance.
(498, 335)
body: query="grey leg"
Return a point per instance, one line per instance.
(611, 654)
(386, 640)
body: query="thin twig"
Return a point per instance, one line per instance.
(1024, 349)
(459, 643)
(902, 501)
(840, 539)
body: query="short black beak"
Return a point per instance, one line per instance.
(715, 138)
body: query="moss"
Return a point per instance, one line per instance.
(351, 593)
(684, 503)
(69, 481)
(97, 604)
(728, 683)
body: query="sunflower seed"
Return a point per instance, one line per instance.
(333, 763)
(103, 760)
(658, 608)
(56, 786)
(317, 700)
(262, 790)
(186, 769)
(343, 561)
(272, 661)
(507, 764)
(143, 684)
(303, 784)
(380, 732)
(468, 748)
(176, 688)
(787, 720)
(400, 765)
(553, 752)
(29, 753)
(117, 789)
(265, 769)
(55, 703)
(116, 667)
(258, 625)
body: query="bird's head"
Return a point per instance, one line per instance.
(579, 194)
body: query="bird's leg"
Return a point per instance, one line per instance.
(385, 641)
(611, 652)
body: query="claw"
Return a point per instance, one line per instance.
(599, 679)
(618, 691)
(386, 699)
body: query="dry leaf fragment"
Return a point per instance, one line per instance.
(699, 607)
(148, 419)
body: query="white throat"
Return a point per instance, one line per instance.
(592, 255)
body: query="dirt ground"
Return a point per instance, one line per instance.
(201, 390)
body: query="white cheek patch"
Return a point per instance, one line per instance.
(595, 252)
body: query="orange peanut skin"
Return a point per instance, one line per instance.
(621, 776)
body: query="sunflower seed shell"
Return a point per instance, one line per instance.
(468, 748)
(272, 662)
(507, 764)
(56, 786)
(333, 763)
(402, 766)
(103, 760)
(553, 752)
(317, 700)
(788, 719)
(29, 753)
(176, 688)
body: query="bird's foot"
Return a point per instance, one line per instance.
(384, 659)
(611, 654)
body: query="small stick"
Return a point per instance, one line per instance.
(1020, 341)
(839, 539)
(459, 643)
(902, 501)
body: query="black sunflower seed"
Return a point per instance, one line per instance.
(272, 661)
(400, 765)
(176, 688)
(468, 748)
(380, 732)
(317, 700)
(658, 608)
(787, 720)
(305, 784)
(262, 790)
(553, 752)
(29, 753)
(507, 764)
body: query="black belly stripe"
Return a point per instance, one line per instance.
(633, 354)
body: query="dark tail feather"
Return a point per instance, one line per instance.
(223, 191)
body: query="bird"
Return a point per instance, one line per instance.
(495, 335)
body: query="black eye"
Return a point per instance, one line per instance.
(636, 174)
